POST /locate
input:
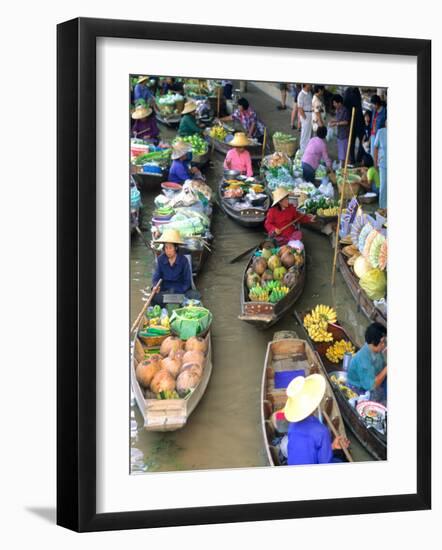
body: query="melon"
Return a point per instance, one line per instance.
(196, 343)
(162, 381)
(361, 266)
(171, 343)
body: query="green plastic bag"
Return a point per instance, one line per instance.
(190, 321)
(374, 282)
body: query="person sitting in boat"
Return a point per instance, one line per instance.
(238, 158)
(188, 125)
(315, 151)
(173, 268)
(308, 441)
(181, 169)
(170, 84)
(145, 126)
(248, 119)
(367, 370)
(370, 179)
(282, 213)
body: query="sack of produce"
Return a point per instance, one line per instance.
(190, 321)
(374, 282)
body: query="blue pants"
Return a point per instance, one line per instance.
(383, 189)
(308, 173)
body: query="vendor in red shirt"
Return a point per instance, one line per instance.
(280, 214)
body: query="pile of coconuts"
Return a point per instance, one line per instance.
(283, 266)
(178, 367)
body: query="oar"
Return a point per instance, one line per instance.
(336, 434)
(256, 245)
(146, 305)
(142, 236)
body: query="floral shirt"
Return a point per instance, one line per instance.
(247, 118)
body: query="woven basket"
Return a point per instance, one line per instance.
(152, 341)
(287, 147)
(350, 189)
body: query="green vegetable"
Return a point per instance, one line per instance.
(280, 136)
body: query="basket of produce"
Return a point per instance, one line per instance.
(190, 321)
(322, 207)
(155, 327)
(351, 189)
(200, 147)
(285, 143)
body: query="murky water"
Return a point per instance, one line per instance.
(224, 431)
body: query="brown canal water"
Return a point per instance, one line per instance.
(224, 431)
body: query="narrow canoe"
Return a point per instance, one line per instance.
(162, 415)
(286, 354)
(247, 217)
(264, 314)
(373, 441)
(365, 304)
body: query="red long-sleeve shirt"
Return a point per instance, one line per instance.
(278, 218)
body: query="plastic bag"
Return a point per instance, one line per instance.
(326, 188)
(374, 282)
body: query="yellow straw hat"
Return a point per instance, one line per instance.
(141, 112)
(189, 107)
(239, 140)
(304, 396)
(142, 79)
(170, 236)
(179, 149)
(279, 194)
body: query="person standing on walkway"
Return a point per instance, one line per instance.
(342, 122)
(378, 117)
(294, 123)
(305, 115)
(318, 108)
(352, 98)
(380, 161)
(283, 87)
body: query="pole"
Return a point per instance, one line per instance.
(341, 202)
(146, 305)
(218, 102)
(335, 432)
(264, 143)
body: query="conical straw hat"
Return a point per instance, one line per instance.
(189, 107)
(142, 79)
(141, 112)
(239, 140)
(279, 194)
(304, 396)
(180, 149)
(170, 236)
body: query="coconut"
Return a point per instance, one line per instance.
(146, 370)
(266, 253)
(284, 248)
(172, 365)
(162, 381)
(178, 355)
(187, 380)
(267, 276)
(290, 279)
(273, 262)
(287, 259)
(171, 343)
(193, 367)
(194, 356)
(196, 343)
(252, 280)
(259, 266)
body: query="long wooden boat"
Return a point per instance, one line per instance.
(265, 314)
(162, 415)
(223, 148)
(247, 217)
(147, 180)
(285, 353)
(374, 442)
(365, 304)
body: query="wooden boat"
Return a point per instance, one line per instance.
(373, 441)
(247, 217)
(365, 304)
(264, 314)
(223, 148)
(285, 353)
(164, 415)
(147, 180)
(324, 226)
(201, 160)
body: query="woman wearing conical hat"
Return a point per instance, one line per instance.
(188, 125)
(308, 441)
(173, 268)
(145, 124)
(238, 158)
(181, 169)
(282, 213)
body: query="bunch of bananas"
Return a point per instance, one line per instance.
(168, 394)
(218, 132)
(258, 294)
(335, 353)
(278, 294)
(332, 211)
(316, 322)
(323, 313)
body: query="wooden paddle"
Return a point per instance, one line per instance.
(146, 305)
(336, 434)
(256, 245)
(138, 230)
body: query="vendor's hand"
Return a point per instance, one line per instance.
(340, 442)
(277, 232)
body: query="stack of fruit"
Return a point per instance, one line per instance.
(336, 352)
(329, 212)
(199, 145)
(218, 132)
(316, 322)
